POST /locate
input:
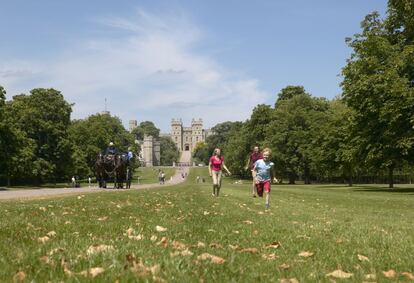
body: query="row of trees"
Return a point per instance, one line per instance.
(369, 129)
(40, 143)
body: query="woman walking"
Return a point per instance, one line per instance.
(215, 166)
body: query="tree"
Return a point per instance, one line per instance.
(292, 134)
(289, 92)
(377, 87)
(43, 117)
(201, 153)
(168, 151)
(237, 148)
(91, 136)
(146, 128)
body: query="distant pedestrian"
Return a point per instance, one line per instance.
(263, 172)
(215, 166)
(73, 182)
(253, 157)
(89, 181)
(162, 177)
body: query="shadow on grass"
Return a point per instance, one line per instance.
(385, 189)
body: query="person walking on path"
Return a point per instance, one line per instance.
(73, 182)
(215, 166)
(253, 157)
(263, 173)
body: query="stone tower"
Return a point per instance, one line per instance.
(177, 133)
(147, 151)
(132, 124)
(196, 132)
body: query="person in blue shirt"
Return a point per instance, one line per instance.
(130, 154)
(263, 173)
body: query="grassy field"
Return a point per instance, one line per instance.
(183, 234)
(149, 175)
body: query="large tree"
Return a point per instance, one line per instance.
(92, 135)
(293, 132)
(168, 151)
(377, 86)
(43, 117)
(146, 128)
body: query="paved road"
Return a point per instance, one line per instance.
(35, 193)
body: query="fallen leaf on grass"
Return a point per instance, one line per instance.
(284, 266)
(305, 254)
(291, 280)
(68, 222)
(178, 245)
(43, 239)
(19, 276)
(200, 244)
(274, 245)
(248, 222)
(51, 234)
(340, 274)
(94, 249)
(236, 247)
(236, 232)
(43, 208)
(362, 258)
(212, 258)
(153, 238)
(249, 250)
(182, 253)
(255, 232)
(104, 218)
(160, 229)
(269, 256)
(206, 213)
(370, 276)
(408, 275)
(138, 237)
(138, 267)
(92, 272)
(216, 246)
(163, 242)
(390, 273)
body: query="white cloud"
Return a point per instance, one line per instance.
(149, 71)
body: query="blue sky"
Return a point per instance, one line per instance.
(157, 60)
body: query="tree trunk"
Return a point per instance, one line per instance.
(350, 181)
(291, 178)
(307, 173)
(8, 181)
(391, 176)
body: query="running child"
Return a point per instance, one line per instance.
(263, 172)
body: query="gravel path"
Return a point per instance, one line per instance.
(46, 192)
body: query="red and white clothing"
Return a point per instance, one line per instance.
(216, 162)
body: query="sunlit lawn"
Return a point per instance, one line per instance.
(309, 232)
(148, 175)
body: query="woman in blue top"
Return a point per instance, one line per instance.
(263, 172)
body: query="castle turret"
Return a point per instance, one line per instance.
(148, 151)
(177, 133)
(196, 132)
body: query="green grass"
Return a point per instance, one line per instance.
(335, 223)
(149, 175)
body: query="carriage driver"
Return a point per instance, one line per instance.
(111, 149)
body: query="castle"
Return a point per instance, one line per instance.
(185, 138)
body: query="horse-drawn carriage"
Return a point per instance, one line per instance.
(113, 167)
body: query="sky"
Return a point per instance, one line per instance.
(161, 59)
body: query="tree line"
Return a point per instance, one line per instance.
(40, 143)
(367, 130)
